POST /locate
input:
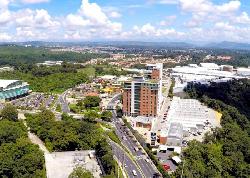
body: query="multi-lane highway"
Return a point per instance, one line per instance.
(127, 163)
(145, 164)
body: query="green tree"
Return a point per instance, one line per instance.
(9, 112)
(11, 131)
(80, 172)
(91, 116)
(106, 116)
(91, 101)
(21, 159)
(104, 152)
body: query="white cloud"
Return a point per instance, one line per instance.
(35, 18)
(242, 19)
(34, 1)
(206, 6)
(91, 21)
(4, 4)
(74, 20)
(4, 12)
(163, 1)
(168, 20)
(168, 2)
(5, 37)
(5, 17)
(114, 14)
(205, 11)
(209, 21)
(93, 12)
(231, 6)
(151, 31)
(224, 26)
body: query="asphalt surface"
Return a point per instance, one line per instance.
(147, 167)
(126, 161)
(63, 102)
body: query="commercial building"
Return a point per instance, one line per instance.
(142, 96)
(210, 66)
(205, 73)
(11, 89)
(188, 112)
(143, 122)
(175, 134)
(245, 72)
(50, 63)
(185, 117)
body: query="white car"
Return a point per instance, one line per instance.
(134, 173)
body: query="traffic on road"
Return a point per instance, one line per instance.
(130, 142)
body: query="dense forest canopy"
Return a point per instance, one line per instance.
(16, 55)
(226, 151)
(18, 156)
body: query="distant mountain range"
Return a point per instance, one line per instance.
(229, 45)
(219, 45)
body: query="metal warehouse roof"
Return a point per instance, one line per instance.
(175, 130)
(143, 119)
(188, 112)
(6, 83)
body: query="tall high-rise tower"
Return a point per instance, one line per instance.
(142, 96)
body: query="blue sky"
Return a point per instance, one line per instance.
(144, 20)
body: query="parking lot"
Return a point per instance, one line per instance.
(165, 159)
(80, 91)
(35, 101)
(61, 164)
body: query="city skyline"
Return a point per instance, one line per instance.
(143, 20)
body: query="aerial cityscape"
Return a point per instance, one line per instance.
(124, 89)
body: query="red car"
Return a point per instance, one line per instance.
(166, 167)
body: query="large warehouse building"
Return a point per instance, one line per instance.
(11, 89)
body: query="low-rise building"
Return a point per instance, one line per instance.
(175, 134)
(142, 122)
(11, 89)
(186, 118)
(4, 69)
(245, 72)
(210, 66)
(50, 63)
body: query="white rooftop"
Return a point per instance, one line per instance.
(188, 112)
(176, 159)
(143, 119)
(201, 71)
(108, 77)
(209, 65)
(6, 83)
